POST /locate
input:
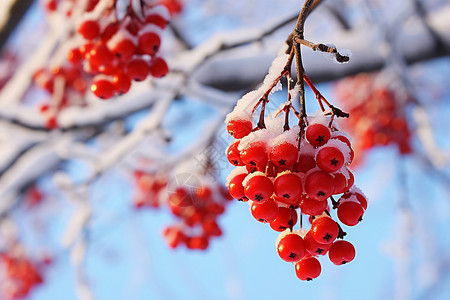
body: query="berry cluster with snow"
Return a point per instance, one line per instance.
(282, 169)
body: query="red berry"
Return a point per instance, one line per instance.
(317, 134)
(319, 185)
(255, 156)
(137, 69)
(75, 56)
(158, 67)
(197, 242)
(324, 230)
(341, 252)
(122, 83)
(340, 183)
(239, 128)
(265, 212)
(312, 207)
(233, 154)
(100, 56)
(289, 187)
(284, 155)
(149, 43)
(286, 218)
(308, 268)
(313, 247)
(102, 88)
(210, 227)
(291, 247)
(350, 213)
(330, 159)
(89, 29)
(235, 186)
(124, 49)
(259, 188)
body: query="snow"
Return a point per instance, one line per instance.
(290, 136)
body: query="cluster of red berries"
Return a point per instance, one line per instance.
(18, 276)
(195, 207)
(105, 54)
(117, 52)
(377, 118)
(299, 168)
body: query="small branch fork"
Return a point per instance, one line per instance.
(295, 40)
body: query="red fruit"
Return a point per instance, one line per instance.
(313, 247)
(308, 268)
(330, 159)
(121, 82)
(341, 252)
(239, 128)
(233, 154)
(317, 134)
(284, 155)
(259, 188)
(89, 29)
(312, 207)
(149, 43)
(235, 186)
(137, 69)
(305, 163)
(255, 156)
(103, 88)
(75, 56)
(100, 56)
(324, 230)
(350, 213)
(124, 49)
(291, 247)
(286, 218)
(289, 187)
(197, 242)
(319, 185)
(210, 227)
(265, 212)
(158, 67)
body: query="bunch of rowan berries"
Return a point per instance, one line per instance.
(196, 208)
(279, 170)
(377, 117)
(117, 52)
